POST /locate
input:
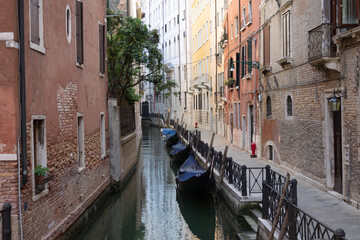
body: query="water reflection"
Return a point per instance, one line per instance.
(150, 208)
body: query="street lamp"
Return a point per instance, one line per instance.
(334, 103)
(232, 67)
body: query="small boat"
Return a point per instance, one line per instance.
(166, 131)
(179, 153)
(171, 139)
(192, 178)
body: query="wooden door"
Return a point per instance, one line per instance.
(337, 152)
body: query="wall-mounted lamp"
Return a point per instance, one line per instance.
(232, 67)
(335, 101)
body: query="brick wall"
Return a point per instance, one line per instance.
(70, 192)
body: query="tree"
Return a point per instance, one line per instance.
(131, 46)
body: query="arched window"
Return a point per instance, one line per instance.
(289, 106)
(268, 106)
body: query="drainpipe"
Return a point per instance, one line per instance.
(22, 93)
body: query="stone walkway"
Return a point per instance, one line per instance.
(327, 208)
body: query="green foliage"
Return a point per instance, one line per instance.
(229, 81)
(40, 171)
(131, 46)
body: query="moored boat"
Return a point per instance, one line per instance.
(191, 178)
(171, 139)
(179, 153)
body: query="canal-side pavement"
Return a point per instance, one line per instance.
(329, 209)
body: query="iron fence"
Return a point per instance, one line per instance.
(5, 219)
(127, 120)
(270, 184)
(320, 42)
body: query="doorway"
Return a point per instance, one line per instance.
(243, 131)
(337, 152)
(251, 111)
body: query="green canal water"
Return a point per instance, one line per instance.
(149, 207)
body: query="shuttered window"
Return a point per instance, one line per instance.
(237, 69)
(286, 35)
(267, 45)
(243, 59)
(102, 48)
(79, 33)
(35, 21)
(249, 55)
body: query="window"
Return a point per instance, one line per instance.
(268, 106)
(236, 25)
(80, 142)
(243, 17)
(232, 31)
(210, 54)
(249, 55)
(243, 59)
(38, 147)
(266, 45)
(289, 106)
(165, 28)
(250, 12)
(79, 33)
(271, 153)
(235, 116)
(102, 135)
(102, 50)
(346, 13)
(286, 35)
(36, 25)
(239, 115)
(68, 23)
(210, 26)
(237, 69)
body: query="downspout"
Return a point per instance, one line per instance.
(216, 66)
(22, 93)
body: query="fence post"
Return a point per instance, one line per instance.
(292, 201)
(243, 181)
(339, 234)
(6, 221)
(264, 209)
(267, 173)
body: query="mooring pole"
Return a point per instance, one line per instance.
(211, 145)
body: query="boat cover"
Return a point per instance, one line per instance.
(169, 135)
(189, 169)
(177, 148)
(166, 131)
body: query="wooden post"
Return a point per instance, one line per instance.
(211, 144)
(278, 210)
(176, 125)
(184, 131)
(182, 119)
(222, 170)
(283, 227)
(168, 118)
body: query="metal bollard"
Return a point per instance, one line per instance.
(339, 234)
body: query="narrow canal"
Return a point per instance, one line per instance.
(149, 207)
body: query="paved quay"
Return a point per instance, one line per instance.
(323, 206)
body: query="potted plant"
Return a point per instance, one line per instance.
(41, 175)
(229, 82)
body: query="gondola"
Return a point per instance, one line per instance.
(166, 131)
(179, 153)
(191, 178)
(171, 139)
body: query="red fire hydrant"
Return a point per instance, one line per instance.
(253, 148)
(195, 124)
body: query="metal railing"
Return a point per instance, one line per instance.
(320, 42)
(269, 183)
(127, 120)
(5, 219)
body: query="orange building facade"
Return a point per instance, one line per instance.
(241, 51)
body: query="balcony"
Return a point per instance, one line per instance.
(201, 81)
(322, 50)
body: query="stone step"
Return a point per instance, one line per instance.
(251, 222)
(255, 213)
(247, 235)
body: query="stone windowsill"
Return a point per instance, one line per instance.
(249, 23)
(266, 69)
(248, 76)
(40, 195)
(286, 61)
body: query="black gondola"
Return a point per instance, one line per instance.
(191, 178)
(171, 140)
(179, 153)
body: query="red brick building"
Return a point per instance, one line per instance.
(53, 113)
(241, 65)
